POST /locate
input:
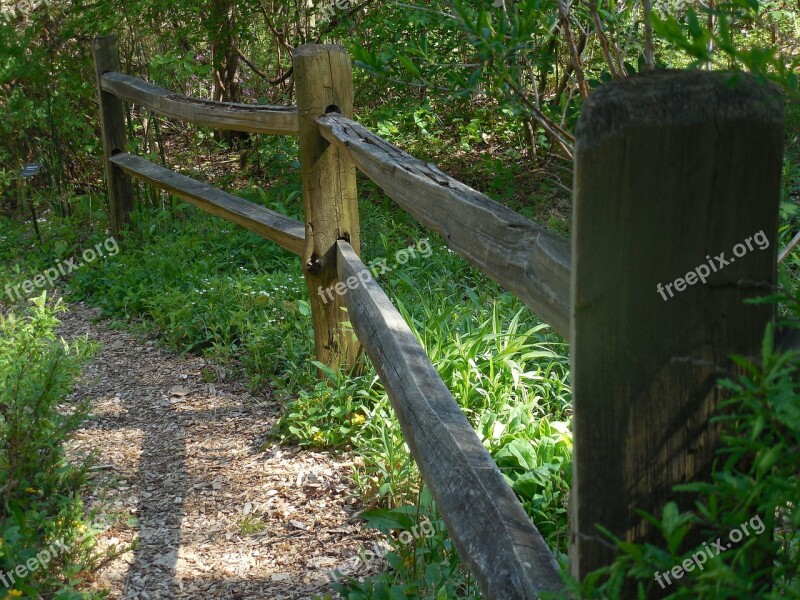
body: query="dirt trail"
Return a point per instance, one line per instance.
(179, 468)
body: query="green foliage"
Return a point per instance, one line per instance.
(499, 63)
(41, 506)
(732, 35)
(331, 414)
(37, 373)
(476, 87)
(507, 371)
(227, 296)
(755, 482)
(422, 560)
(538, 467)
(63, 238)
(251, 525)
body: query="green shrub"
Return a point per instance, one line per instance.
(756, 480)
(42, 519)
(422, 559)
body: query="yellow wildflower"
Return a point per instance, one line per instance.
(359, 419)
(14, 593)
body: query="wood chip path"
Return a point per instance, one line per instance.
(179, 471)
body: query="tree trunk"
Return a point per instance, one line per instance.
(224, 58)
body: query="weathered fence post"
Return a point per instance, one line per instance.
(112, 123)
(677, 184)
(324, 83)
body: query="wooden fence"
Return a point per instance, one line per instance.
(672, 169)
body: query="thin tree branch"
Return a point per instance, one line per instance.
(263, 75)
(559, 135)
(648, 36)
(601, 37)
(564, 7)
(281, 38)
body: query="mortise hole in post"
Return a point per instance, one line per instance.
(332, 109)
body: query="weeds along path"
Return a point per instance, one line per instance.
(179, 469)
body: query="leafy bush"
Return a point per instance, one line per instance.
(756, 479)
(41, 507)
(423, 560)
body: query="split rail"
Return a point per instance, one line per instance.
(672, 169)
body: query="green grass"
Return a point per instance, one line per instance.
(211, 288)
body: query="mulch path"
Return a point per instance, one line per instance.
(179, 471)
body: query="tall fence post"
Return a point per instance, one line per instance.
(112, 123)
(324, 83)
(677, 185)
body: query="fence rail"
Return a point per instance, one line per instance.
(651, 176)
(520, 255)
(219, 115)
(274, 226)
(483, 516)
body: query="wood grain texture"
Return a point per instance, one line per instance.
(520, 255)
(112, 129)
(219, 115)
(672, 169)
(324, 82)
(269, 224)
(491, 531)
